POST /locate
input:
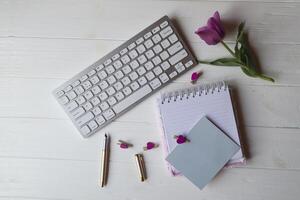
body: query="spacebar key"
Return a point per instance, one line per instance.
(137, 95)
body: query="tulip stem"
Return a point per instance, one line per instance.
(227, 47)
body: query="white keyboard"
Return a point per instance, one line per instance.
(118, 81)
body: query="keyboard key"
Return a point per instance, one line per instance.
(109, 114)
(68, 88)
(102, 75)
(123, 51)
(85, 130)
(126, 81)
(142, 59)
(134, 86)
(164, 78)
(93, 125)
(79, 90)
(83, 78)
(118, 86)
(155, 30)
(103, 96)
(156, 60)
(173, 74)
(164, 55)
(157, 70)
(85, 118)
(179, 67)
(166, 32)
(165, 43)
(111, 101)
(140, 40)
(119, 74)
(119, 96)
(149, 65)
(155, 83)
(133, 54)
(148, 44)
(95, 101)
(131, 46)
(150, 76)
(96, 111)
(107, 62)
(174, 48)
(104, 106)
(149, 54)
(76, 83)
(165, 65)
(87, 85)
(111, 79)
(99, 67)
(71, 106)
(60, 93)
(141, 71)
(95, 80)
(116, 56)
(110, 69)
(142, 80)
(87, 106)
(156, 38)
(91, 73)
(136, 96)
(100, 120)
(188, 64)
(127, 91)
(103, 84)
(164, 24)
(118, 64)
(173, 38)
(71, 95)
(110, 91)
(125, 59)
(177, 57)
(96, 89)
(126, 69)
(147, 35)
(88, 95)
(157, 49)
(78, 112)
(134, 64)
(141, 49)
(80, 100)
(133, 76)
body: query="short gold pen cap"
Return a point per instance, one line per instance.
(141, 166)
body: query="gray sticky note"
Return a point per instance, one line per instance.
(205, 155)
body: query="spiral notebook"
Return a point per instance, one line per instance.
(180, 110)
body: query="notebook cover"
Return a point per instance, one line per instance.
(205, 155)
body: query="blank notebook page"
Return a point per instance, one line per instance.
(180, 110)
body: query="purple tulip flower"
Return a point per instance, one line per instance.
(213, 32)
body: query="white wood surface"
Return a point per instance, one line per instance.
(44, 43)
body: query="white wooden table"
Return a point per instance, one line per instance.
(44, 43)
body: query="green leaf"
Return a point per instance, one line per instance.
(240, 30)
(249, 72)
(226, 62)
(238, 38)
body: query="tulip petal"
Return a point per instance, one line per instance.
(217, 26)
(217, 16)
(210, 36)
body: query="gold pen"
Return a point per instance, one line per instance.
(141, 166)
(105, 160)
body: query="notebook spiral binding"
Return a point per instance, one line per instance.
(192, 92)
